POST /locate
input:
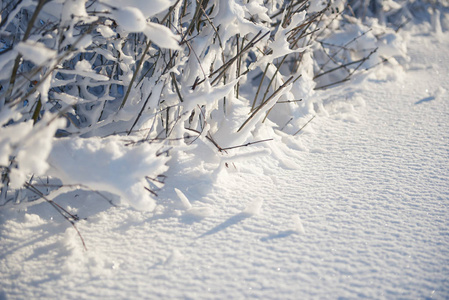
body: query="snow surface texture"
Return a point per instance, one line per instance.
(366, 214)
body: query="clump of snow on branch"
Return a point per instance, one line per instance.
(118, 169)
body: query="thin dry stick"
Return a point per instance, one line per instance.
(222, 51)
(300, 28)
(245, 145)
(331, 57)
(224, 67)
(347, 78)
(291, 119)
(74, 186)
(142, 59)
(329, 23)
(167, 121)
(207, 137)
(37, 111)
(199, 63)
(68, 216)
(39, 7)
(304, 126)
(213, 27)
(239, 64)
(268, 100)
(169, 64)
(136, 72)
(331, 84)
(304, 35)
(221, 46)
(290, 101)
(178, 117)
(260, 85)
(151, 68)
(340, 67)
(272, 78)
(362, 61)
(49, 72)
(196, 17)
(139, 114)
(176, 86)
(268, 112)
(282, 9)
(320, 16)
(345, 46)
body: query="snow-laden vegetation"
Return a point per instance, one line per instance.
(111, 95)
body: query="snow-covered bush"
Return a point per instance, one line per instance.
(397, 13)
(111, 95)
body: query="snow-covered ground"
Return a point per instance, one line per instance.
(360, 210)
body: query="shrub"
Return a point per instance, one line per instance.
(111, 97)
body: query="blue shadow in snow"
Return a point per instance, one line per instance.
(229, 222)
(427, 99)
(279, 235)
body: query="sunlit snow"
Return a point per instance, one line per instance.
(224, 149)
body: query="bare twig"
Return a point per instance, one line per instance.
(68, 216)
(304, 126)
(246, 145)
(263, 104)
(39, 7)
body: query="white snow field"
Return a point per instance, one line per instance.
(361, 210)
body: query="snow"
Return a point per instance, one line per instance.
(133, 18)
(83, 68)
(119, 169)
(73, 9)
(30, 147)
(130, 18)
(6, 63)
(356, 207)
(162, 36)
(185, 202)
(148, 10)
(36, 52)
